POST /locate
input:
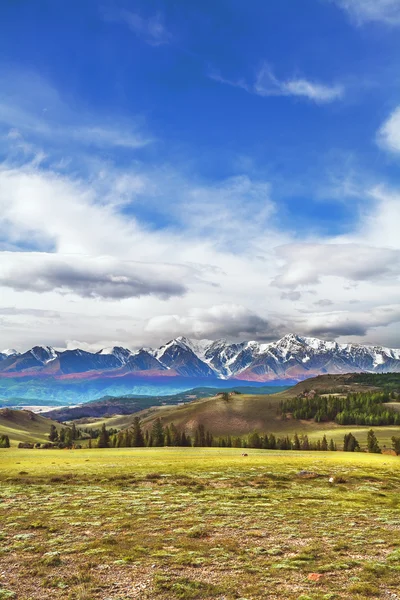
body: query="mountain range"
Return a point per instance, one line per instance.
(293, 357)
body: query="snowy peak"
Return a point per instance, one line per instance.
(9, 352)
(44, 354)
(120, 353)
(292, 357)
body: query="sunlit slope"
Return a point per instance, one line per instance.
(243, 414)
(25, 426)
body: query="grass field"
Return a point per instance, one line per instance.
(198, 523)
(337, 433)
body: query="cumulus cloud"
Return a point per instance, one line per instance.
(227, 320)
(364, 11)
(389, 134)
(87, 277)
(152, 29)
(306, 264)
(267, 84)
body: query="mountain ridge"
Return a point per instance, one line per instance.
(292, 357)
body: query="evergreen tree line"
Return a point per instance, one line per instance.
(161, 436)
(169, 435)
(158, 436)
(271, 442)
(363, 408)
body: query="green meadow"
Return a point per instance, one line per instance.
(204, 523)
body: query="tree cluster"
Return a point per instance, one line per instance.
(65, 438)
(271, 442)
(363, 408)
(158, 436)
(4, 441)
(396, 445)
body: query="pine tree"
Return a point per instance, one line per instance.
(4, 441)
(350, 444)
(137, 434)
(396, 445)
(103, 438)
(128, 439)
(68, 438)
(209, 439)
(175, 436)
(265, 442)
(157, 433)
(372, 443)
(53, 435)
(167, 436)
(74, 432)
(296, 442)
(254, 440)
(324, 444)
(196, 442)
(332, 446)
(305, 444)
(202, 436)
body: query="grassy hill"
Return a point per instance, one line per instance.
(25, 426)
(243, 414)
(110, 406)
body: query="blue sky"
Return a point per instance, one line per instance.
(212, 169)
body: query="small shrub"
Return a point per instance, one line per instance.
(51, 559)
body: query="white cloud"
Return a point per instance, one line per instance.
(306, 264)
(389, 134)
(348, 324)
(364, 11)
(92, 247)
(266, 84)
(82, 241)
(152, 29)
(91, 277)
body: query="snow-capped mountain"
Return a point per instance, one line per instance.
(292, 357)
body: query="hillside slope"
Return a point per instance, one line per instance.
(126, 405)
(25, 426)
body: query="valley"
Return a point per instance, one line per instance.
(223, 413)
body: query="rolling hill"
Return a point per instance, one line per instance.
(243, 414)
(126, 405)
(25, 426)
